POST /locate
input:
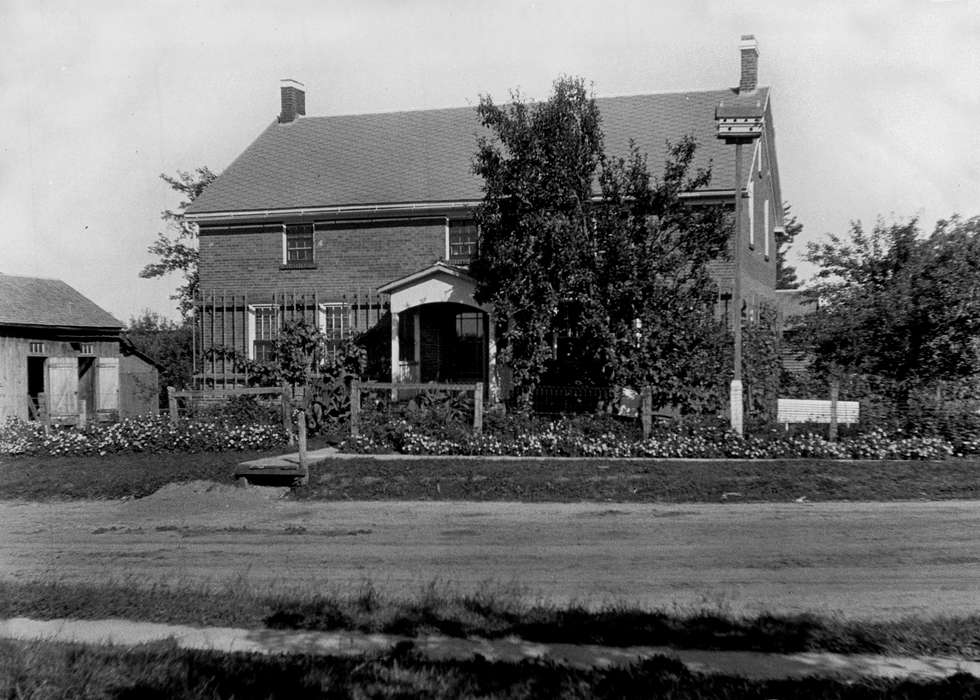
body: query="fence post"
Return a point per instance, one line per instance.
(301, 439)
(355, 407)
(834, 391)
(82, 414)
(287, 417)
(478, 408)
(646, 411)
(172, 404)
(44, 412)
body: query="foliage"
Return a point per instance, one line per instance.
(168, 343)
(897, 305)
(576, 438)
(619, 282)
(51, 670)
(177, 249)
(143, 434)
(786, 274)
(331, 388)
(650, 307)
(237, 410)
(534, 219)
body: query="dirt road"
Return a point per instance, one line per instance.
(880, 560)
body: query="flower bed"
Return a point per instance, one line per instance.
(143, 434)
(564, 439)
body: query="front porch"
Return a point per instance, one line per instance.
(439, 333)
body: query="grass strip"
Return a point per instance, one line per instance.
(674, 481)
(493, 612)
(54, 670)
(529, 481)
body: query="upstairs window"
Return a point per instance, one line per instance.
(299, 245)
(463, 237)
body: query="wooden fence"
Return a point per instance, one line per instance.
(226, 321)
(358, 387)
(214, 397)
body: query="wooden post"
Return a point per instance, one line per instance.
(303, 463)
(478, 409)
(45, 413)
(646, 411)
(355, 407)
(834, 391)
(82, 414)
(287, 417)
(172, 404)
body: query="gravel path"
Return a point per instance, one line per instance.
(867, 560)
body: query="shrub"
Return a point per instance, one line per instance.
(606, 436)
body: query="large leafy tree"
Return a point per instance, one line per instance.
(898, 305)
(620, 277)
(536, 243)
(650, 309)
(177, 247)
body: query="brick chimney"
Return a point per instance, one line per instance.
(293, 96)
(750, 63)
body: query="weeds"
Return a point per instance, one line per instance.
(492, 611)
(50, 670)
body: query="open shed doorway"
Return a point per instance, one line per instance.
(35, 378)
(86, 384)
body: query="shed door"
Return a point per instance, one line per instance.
(62, 388)
(107, 384)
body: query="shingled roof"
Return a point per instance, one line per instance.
(426, 156)
(35, 301)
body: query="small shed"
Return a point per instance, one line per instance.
(62, 356)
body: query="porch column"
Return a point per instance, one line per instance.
(417, 336)
(492, 376)
(395, 352)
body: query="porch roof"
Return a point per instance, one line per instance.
(439, 283)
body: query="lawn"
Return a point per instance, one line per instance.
(527, 480)
(641, 481)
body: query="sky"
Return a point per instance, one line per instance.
(875, 104)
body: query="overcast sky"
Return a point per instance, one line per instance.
(876, 105)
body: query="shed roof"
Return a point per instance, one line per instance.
(37, 301)
(426, 156)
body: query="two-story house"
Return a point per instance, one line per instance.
(344, 220)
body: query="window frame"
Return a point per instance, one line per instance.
(474, 244)
(333, 337)
(253, 327)
(302, 232)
